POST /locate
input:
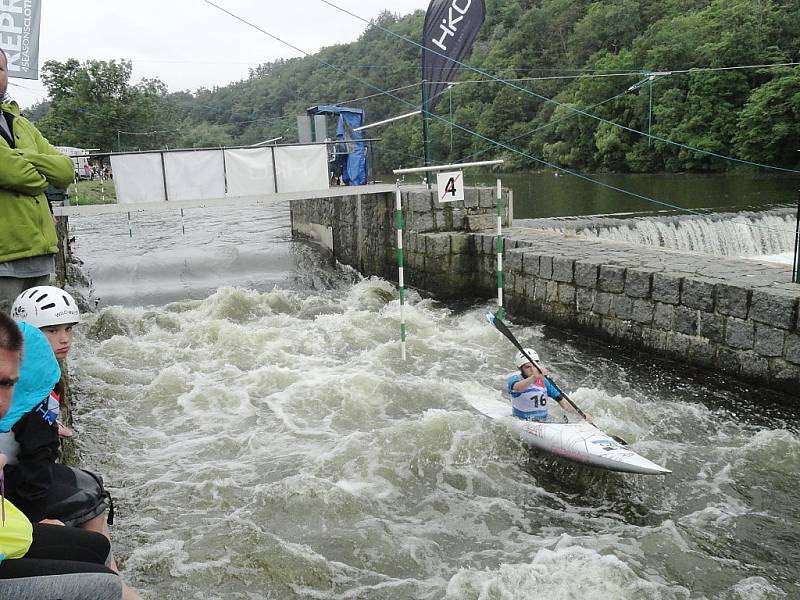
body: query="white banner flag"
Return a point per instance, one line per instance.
(19, 36)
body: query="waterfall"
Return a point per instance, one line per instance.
(742, 234)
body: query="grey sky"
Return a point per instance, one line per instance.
(189, 44)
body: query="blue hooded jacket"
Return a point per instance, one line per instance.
(38, 375)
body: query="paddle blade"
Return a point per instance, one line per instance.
(501, 327)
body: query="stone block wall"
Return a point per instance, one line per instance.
(735, 316)
(439, 255)
(423, 213)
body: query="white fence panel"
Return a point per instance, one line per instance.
(138, 177)
(301, 168)
(196, 175)
(203, 174)
(249, 172)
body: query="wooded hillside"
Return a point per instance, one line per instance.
(685, 70)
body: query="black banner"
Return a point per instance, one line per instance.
(450, 29)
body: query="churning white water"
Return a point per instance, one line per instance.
(267, 441)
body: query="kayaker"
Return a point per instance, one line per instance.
(530, 390)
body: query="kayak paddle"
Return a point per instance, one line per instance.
(501, 327)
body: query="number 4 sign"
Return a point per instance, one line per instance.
(451, 186)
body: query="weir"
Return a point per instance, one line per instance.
(736, 235)
(725, 314)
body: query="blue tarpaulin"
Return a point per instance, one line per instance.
(350, 150)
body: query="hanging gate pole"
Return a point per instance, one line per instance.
(426, 143)
(398, 223)
(499, 245)
(796, 262)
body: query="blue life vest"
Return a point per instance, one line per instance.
(531, 403)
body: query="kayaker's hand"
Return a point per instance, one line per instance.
(588, 418)
(51, 522)
(64, 431)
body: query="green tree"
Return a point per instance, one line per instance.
(37, 111)
(768, 130)
(608, 26)
(92, 103)
(205, 135)
(594, 56)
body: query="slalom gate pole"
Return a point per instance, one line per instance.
(426, 143)
(398, 223)
(501, 313)
(796, 261)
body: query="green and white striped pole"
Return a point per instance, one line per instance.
(398, 224)
(499, 244)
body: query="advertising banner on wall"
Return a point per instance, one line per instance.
(19, 36)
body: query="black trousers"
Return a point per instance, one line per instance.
(59, 550)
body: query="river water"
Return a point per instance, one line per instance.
(550, 194)
(265, 440)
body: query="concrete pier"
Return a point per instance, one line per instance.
(738, 317)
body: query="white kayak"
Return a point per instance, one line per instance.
(579, 442)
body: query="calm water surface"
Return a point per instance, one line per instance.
(549, 195)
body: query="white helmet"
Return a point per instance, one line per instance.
(520, 359)
(44, 306)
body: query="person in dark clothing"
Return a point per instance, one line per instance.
(40, 486)
(40, 561)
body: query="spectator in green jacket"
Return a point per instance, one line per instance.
(28, 164)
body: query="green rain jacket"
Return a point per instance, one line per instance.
(26, 168)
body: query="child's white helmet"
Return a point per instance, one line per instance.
(520, 359)
(44, 306)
